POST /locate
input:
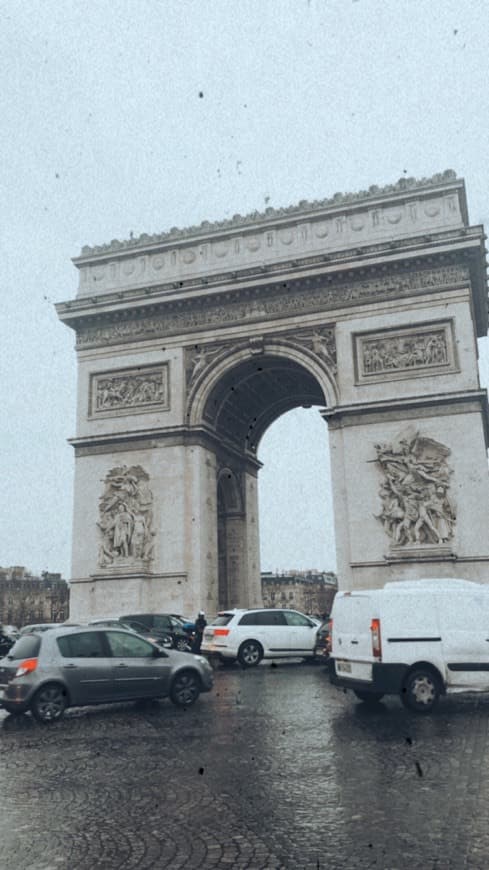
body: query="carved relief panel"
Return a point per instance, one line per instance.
(407, 352)
(417, 509)
(129, 391)
(321, 341)
(126, 518)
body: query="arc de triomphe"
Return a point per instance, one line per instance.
(191, 343)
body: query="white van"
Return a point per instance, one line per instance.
(417, 639)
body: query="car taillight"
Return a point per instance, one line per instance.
(221, 632)
(376, 640)
(26, 667)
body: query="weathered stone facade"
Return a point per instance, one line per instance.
(191, 343)
(310, 592)
(25, 599)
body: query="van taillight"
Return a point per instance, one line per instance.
(376, 641)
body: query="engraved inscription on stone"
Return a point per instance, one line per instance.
(416, 506)
(126, 518)
(129, 390)
(405, 352)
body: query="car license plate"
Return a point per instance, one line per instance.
(344, 667)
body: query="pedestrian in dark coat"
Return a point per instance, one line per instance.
(200, 624)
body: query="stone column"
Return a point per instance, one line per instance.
(252, 594)
(200, 529)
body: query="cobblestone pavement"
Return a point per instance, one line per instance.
(273, 769)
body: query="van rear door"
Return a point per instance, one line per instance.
(352, 637)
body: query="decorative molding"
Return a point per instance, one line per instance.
(126, 520)
(321, 341)
(268, 303)
(265, 248)
(132, 575)
(405, 352)
(206, 227)
(129, 391)
(417, 512)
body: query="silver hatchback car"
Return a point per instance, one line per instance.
(46, 672)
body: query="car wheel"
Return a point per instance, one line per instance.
(421, 690)
(368, 697)
(185, 689)
(49, 703)
(182, 645)
(250, 654)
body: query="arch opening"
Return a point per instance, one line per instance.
(241, 406)
(254, 393)
(295, 501)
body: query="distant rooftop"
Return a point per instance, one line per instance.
(338, 199)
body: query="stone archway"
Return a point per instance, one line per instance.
(237, 402)
(191, 343)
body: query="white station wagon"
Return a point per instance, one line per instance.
(266, 633)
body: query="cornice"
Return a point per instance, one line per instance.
(338, 202)
(470, 401)
(149, 439)
(351, 262)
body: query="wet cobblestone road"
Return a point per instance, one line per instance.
(273, 769)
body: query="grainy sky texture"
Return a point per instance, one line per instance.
(122, 116)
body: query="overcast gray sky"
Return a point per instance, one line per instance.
(104, 133)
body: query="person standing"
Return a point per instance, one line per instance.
(200, 624)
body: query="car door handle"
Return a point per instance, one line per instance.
(122, 666)
(71, 667)
(354, 641)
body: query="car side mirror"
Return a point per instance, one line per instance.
(159, 654)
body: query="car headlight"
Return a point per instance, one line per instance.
(202, 660)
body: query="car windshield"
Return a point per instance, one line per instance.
(222, 618)
(132, 625)
(176, 622)
(44, 626)
(26, 647)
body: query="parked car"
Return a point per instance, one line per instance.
(188, 624)
(46, 672)
(6, 640)
(161, 624)
(417, 639)
(164, 640)
(251, 635)
(322, 645)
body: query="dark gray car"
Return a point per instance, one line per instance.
(45, 672)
